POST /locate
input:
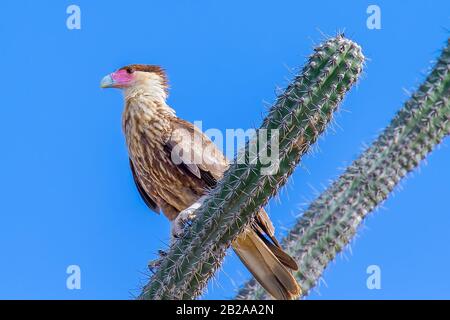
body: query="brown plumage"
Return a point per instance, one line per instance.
(174, 164)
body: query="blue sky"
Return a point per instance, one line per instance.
(67, 195)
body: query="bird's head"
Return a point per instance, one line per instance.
(146, 77)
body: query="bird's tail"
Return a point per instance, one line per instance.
(268, 269)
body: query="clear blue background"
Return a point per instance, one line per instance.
(67, 195)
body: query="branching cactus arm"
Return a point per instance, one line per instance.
(331, 221)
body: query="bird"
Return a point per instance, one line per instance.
(161, 146)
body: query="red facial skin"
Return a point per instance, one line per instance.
(122, 78)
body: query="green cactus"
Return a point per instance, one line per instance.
(299, 115)
(331, 221)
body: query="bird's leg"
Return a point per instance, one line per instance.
(183, 218)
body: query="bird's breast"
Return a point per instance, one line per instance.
(159, 176)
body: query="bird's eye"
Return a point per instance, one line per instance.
(130, 70)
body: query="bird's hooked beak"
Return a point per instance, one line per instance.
(108, 82)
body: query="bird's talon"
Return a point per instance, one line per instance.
(162, 253)
(153, 265)
(184, 218)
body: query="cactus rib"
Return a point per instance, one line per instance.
(331, 221)
(300, 115)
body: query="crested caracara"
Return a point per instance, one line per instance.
(161, 148)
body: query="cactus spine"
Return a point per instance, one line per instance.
(331, 221)
(299, 115)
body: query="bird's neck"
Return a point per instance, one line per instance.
(146, 114)
(152, 88)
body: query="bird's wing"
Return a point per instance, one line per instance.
(195, 153)
(145, 196)
(264, 225)
(264, 228)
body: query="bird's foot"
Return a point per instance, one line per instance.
(153, 265)
(184, 218)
